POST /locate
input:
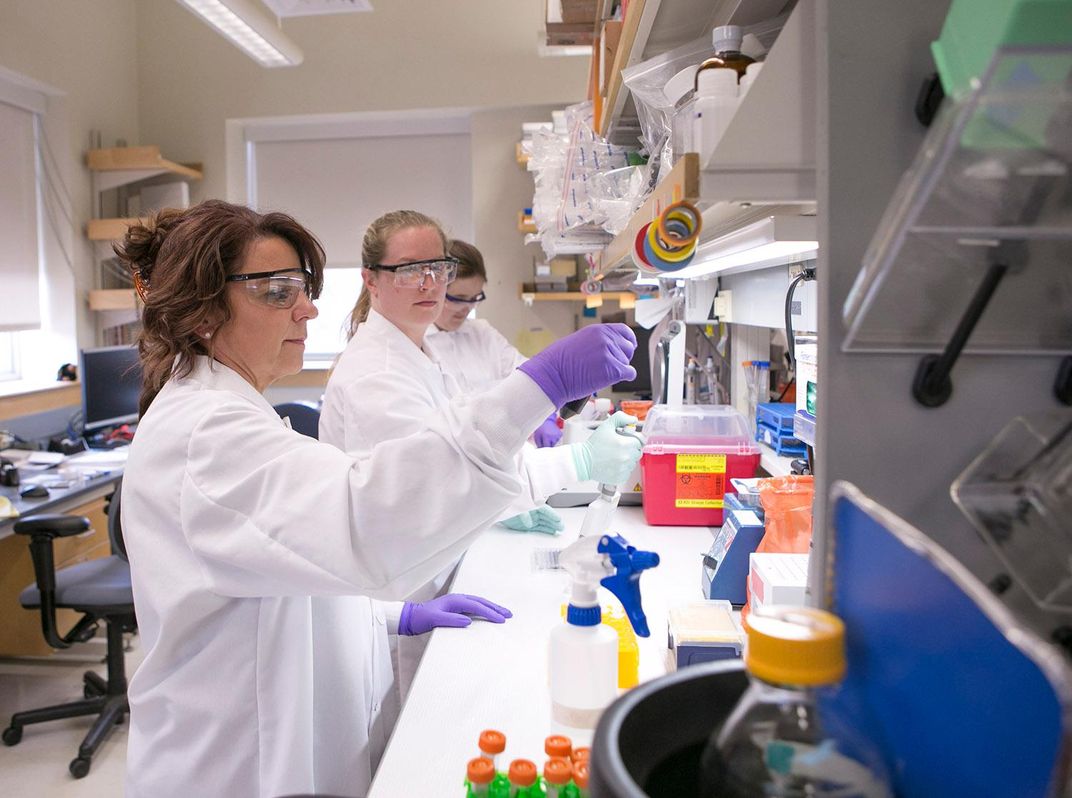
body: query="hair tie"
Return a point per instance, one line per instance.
(141, 286)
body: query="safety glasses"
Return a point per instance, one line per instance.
(461, 300)
(276, 289)
(408, 275)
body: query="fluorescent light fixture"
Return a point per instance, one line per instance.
(769, 242)
(249, 29)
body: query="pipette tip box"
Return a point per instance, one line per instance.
(703, 631)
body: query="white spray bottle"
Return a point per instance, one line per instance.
(584, 651)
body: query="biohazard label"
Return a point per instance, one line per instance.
(700, 481)
(701, 464)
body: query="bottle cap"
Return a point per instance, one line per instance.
(580, 754)
(795, 645)
(727, 38)
(522, 772)
(716, 82)
(558, 745)
(492, 742)
(580, 774)
(557, 771)
(480, 771)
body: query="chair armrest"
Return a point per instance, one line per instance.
(53, 525)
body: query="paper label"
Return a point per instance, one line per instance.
(701, 481)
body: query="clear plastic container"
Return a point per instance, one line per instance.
(775, 742)
(691, 454)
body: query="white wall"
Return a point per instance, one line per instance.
(406, 54)
(87, 51)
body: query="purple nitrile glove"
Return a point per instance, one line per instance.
(548, 433)
(583, 362)
(452, 609)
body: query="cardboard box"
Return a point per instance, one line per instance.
(777, 579)
(579, 12)
(612, 34)
(564, 266)
(563, 33)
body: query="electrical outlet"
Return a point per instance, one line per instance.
(723, 307)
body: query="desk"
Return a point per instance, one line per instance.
(492, 676)
(20, 630)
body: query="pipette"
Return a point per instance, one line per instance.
(597, 516)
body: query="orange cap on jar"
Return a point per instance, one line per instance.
(480, 771)
(522, 772)
(557, 771)
(580, 754)
(580, 774)
(558, 745)
(492, 742)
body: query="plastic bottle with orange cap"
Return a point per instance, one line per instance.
(774, 742)
(564, 774)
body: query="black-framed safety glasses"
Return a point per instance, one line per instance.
(441, 270)
(276, 289)
(461, 300)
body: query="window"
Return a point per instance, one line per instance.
(9, 361)
(327, 332)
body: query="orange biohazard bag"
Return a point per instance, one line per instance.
(787, 505)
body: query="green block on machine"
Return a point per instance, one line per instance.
(975, 30)
(1026, 47)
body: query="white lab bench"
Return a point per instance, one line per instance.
(496, 676)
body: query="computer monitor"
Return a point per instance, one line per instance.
(641, 362)
(111, 385)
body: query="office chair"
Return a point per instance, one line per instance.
(100, 589)
(304, 417)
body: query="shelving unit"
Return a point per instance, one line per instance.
(652, 27)
(764, 163)
(120, 168)
(625, 299)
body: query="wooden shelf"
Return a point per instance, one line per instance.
(683, 183)
(120, 166)
(113, 299)
(109, 229)
(625, 299)
(138, 158)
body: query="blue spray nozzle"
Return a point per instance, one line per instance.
(628, 562)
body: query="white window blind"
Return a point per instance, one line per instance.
(20, 307)
(336, 186)
(336, 177)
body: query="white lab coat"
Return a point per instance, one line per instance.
(476, 354)
(383, 388)
(247, 542)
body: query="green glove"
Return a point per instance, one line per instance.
(607, 457)
(542, 519)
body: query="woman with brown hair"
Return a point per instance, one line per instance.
(240, 531)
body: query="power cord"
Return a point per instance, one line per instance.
(807, 273)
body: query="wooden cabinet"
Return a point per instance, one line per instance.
(20, 629)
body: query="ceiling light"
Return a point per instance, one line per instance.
(768, 242)
(249, 29)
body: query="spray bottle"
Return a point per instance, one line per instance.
(584, 651)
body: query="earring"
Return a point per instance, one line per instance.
(206, 335)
